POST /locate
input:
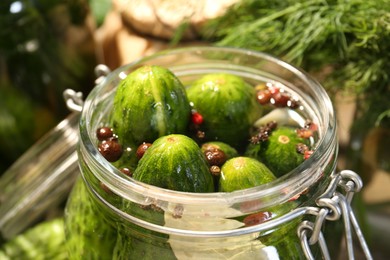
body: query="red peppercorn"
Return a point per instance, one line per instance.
(273, 89)
(304, 133)
(105, 188)
(104, 133)
(301, 148)
(196, 118)
(142, 149)
(257, 218)
(280, 99)
(111, 150)
(263, 96)
(294, 197)
(307, 154)
(126, 171)
(293, 103)
(215, 156)
(310, 125)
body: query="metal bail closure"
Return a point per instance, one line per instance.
(74, 100)
(332, 206)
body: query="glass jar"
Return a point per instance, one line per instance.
(110, 215)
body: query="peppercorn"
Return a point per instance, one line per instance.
(142, 149)
(257, 218)
(310, 125)
(304, 133)
(263, 96)
(273, 89)
(111, 150)
(105, 188)
(254, 139)
(200, 134)
(215, 170)
(307, 154)
(263, 133)
(272, 125)
(215, 156)
(104, 133)
(280, 99)
(302, 148)
(196, 118)
(126, 171)
(263, 136)
(293, 103)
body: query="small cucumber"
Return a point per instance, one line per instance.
(87, 226)
(279, 152)
(228, 106)
(175, 162)
(243, 172)
(150, 102)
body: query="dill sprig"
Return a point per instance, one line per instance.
(351, 36)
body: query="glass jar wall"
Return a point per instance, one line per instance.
(110, 215)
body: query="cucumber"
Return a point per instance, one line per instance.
(87, 227)
(217, 153)
(46, 240)
(139, 243)
(228, 106)
(175, 162)
(279, 152)
(243, 172)
(149, 103)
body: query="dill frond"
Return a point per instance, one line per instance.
(353, 36)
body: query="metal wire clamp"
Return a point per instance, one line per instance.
(333, 205)
(74, 100)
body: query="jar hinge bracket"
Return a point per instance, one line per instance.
(332, 206)
(74, 100)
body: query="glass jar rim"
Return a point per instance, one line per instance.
(291, 184)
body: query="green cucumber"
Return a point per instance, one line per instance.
(175, 162)
(243, 172)
(87, 226)
(134, 242)
(149, 103)
(279, 152)
(228, 106)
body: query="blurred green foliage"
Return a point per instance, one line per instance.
(46, 46)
